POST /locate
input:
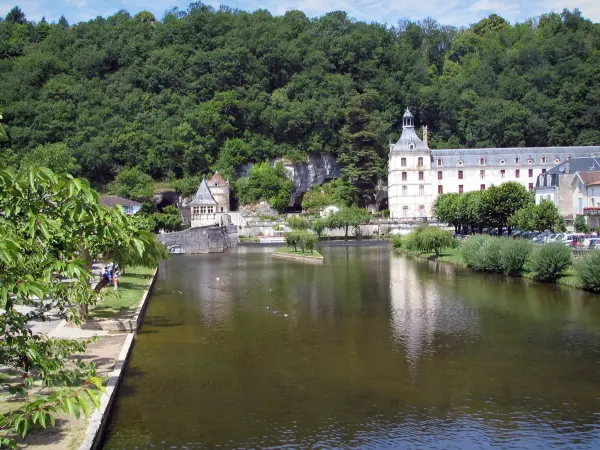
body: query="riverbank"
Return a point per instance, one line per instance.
(454, 256)
(113, 323)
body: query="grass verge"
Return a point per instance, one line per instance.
(131, 287)
(454, 256)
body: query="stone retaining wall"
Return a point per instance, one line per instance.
(201, 239)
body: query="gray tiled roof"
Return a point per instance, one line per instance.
(112, 200)
(566, 167)
(203, 195)
(506, 156)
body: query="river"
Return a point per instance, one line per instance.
(369, 350)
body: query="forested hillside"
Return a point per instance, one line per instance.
(212, 89)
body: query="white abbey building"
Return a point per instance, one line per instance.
(417, 174)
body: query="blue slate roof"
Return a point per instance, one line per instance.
(203, 195)
(551, 177)
(506, 156)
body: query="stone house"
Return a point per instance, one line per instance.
(574, 187)
(210, 204)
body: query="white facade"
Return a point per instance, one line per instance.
(417, 174)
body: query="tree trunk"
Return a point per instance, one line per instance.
(346, 235)
(84, 253)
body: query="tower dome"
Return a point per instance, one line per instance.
(409, 139)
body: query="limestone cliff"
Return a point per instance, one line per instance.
(316, 170)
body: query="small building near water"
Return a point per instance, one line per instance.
(130, 206)
(210, 204)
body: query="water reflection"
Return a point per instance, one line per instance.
(422, 308)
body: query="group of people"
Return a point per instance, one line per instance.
(111, 273)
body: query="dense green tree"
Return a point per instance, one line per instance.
(134, 184)
(57, 157)
(347, 217)
(204, 89)
(445, 209)
(433, 239)
(580, 224)
(266, 182)
(499, 203)
(44, 247)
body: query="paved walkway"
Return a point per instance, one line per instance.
(69, 431)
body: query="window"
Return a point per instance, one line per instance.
(531, 186)
(482, 187)
(460, 163)
(482, 161)
(195, 210)
(404, 176)
(404, 211)
(460, 174)
(502, 173)
(421, 190)
(420, 161)
(421, 176)
(502, 161)
(439, 161)
(517, 173)
(440, 175)
(403, 162)
(543, 170)
(221, 209)
(211, 209)
(440, 189)
(411, 146)
(422, 210)
(556, 160)
(404, 191)
(543, 160)
(516, 160)
(482, 174)
(530, 173)
(530, 161)
(460, 188)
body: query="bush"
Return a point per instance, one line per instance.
(396, 241)
(433, 239)
(303, 239)
(548, 261)
(385, 213)
(588, 270)
(514, 255)
(482, 252)
(298, 223)
(409, 241)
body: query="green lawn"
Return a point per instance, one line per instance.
(298, 252)
(123, 302)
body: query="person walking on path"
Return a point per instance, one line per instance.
(116, 280)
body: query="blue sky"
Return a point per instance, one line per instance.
(451, 12)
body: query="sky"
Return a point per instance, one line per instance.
(447, 12)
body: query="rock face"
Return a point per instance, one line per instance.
(315, 171)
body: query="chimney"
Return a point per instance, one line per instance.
(425, 136)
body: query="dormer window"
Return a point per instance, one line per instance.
(530, 161)
(516, 160)
(543, 160)
(556, 160)
(460, 163)
(502, 161)
(481, 161)
(411, 146)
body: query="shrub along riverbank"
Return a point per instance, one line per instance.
(549, 262)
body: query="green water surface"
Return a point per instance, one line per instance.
(369, 350)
